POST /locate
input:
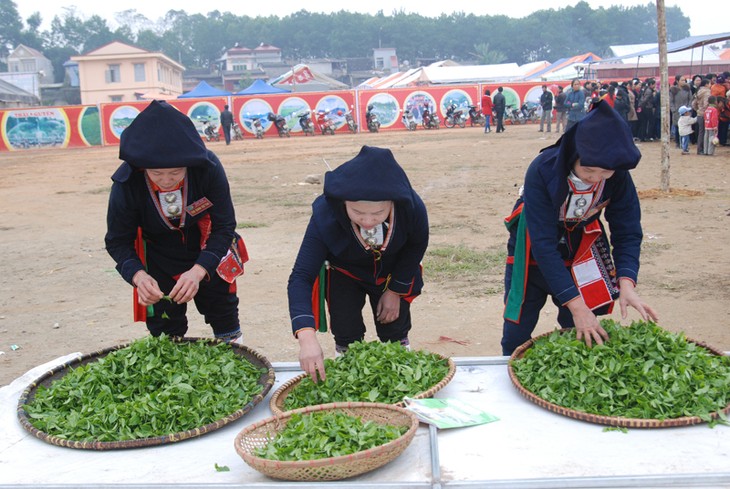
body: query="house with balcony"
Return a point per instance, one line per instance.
(239, 65)
(29, 70)
(118, 72)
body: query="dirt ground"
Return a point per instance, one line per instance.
(59, 292)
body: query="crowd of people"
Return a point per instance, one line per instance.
(703, 99)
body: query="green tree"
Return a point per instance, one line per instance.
(11, 27)
(486, 56)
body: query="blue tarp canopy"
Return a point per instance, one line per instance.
(261, 87)
(204, 90)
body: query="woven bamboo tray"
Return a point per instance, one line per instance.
(333, 468)
(616, 421)
(276, 403)
(266, 380)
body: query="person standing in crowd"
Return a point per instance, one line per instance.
(227, 123)
(366, 238)
(555, 228)
(723, 116)
(718, 88)
(699, 105)
(684, 127)
(633, 117)
(621, 104)
(560, 110)
(711, 124)
(695, 86)
(171, 225)
(680, 95)
(646, 111)
(500, 104)
(487, 109)
(575, 101)
(546, 102)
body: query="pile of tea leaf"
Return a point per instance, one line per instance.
(153, 387)
(371, 372)
(324, 434)
(642, 372)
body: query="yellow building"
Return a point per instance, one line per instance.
(118, 72)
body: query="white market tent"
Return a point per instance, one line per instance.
(443, 74)
(652, 54)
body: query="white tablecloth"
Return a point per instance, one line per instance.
(528, 447)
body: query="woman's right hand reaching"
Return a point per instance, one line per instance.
(148, 292)
(311, 358)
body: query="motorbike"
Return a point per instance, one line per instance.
(236, 133)
(280, 124)
(305, 122)
(210, 131)
(325, 123)
(372, 120)
(476, 118)
(408, 120)
(350, 120)
(529, 110)
(514, 115)
(454, 117)
(429, 120)
(258, 128)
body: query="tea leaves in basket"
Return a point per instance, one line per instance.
(324, 434)
(642, 372)
(371, 372)
(153, 387)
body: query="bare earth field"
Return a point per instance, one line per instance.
(59, 292)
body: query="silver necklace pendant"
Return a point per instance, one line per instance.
(369, 235)
(581, 202)
(173, 209)
(579, 212)
(170, 198)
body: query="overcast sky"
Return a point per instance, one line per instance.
(706, 16)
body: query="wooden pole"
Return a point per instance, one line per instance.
(664, 90)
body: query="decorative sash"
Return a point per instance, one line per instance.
(320, 291)
(592, 268)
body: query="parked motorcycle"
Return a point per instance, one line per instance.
(350, 120)
(429, 120)
(529, 110)
(514, 116)
(372, 120)
(280, 124)
(325, 123)
(236, 133)
(210, 131)
(408, 120)
(305, 122)
(454, 117)
(476, 118)
(258, 128)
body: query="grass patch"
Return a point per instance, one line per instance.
(472, 272)
(653, 248)
(251, 225)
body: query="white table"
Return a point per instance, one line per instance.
(528, 447)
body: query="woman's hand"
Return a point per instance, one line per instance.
(629, 297)
(188, 284)
(587, 327)
(311, 358)
(148, 292)
(388, 308)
